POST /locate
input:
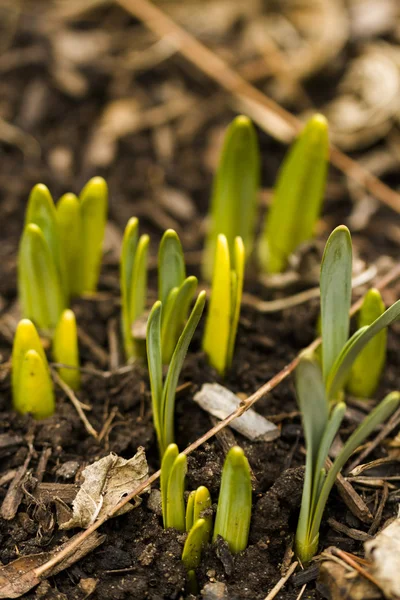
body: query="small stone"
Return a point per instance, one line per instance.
(214, 591)
(154, 502)
(68, 470)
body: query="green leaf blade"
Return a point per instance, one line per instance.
(171, 264)
(153, 339)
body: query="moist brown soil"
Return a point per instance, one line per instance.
(138, 558)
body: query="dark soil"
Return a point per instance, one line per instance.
(138, 559)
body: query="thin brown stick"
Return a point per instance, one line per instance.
(264, 389)
(217, 69)
(348, 558)
(277, 588)
(76, 403)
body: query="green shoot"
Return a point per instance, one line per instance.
(93, 204)
(39, 284)
(224, 308)
(232, 521)
(191, 554)
(171, 265)
(234, 197)
(70, 234)
(173, 473)
(133, 277)
(321, 423)
(32, 389)
(199, 503)
(198, 526)
(65, 349)
(368, 366)
(297, 197)
(163, 392)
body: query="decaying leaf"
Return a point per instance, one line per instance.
(20, 576)
(221, 402)
(107, 481)
(384, 553)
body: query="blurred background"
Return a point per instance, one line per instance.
(86, 89)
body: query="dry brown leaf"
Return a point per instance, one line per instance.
(107, 481)
(384, 552)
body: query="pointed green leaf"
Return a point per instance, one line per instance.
(35, 390)
(94, 202)
(153, 343)
(39, 285)
(202, 510)
(127, 260)
(169, 391)
(232, 520)
(234, 197)
(65, 349)
(70, 235)
(189, 519)
(175, 494)
(335, 284)
(26, 338)
(167, 462)
(237, 289)
(42, 212)
(176, 315)
(191, 554)
(368, 366)
(344, 362)
(298, 196)
(171, 264)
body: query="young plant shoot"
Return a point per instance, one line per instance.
(70, 235)
(234, 196)
(368, 366)
(173, 473)
(232, 520)
(297, 197)
(133, 277)
(321, 422)
(175, 290)
(224, 308)
(318, 389)
(65, 349)
(163, 392)
(32, 389)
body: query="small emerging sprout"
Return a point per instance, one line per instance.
(224, 308)
(65, 349)
(32, 389)
(173, 473)
(234, 196)
(232, 521)
(70, 233)
(368, 366)
(39, 284)
(133, 277)
(297, 197)
(163, 392)
(175, 291)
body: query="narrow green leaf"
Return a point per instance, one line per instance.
(202, 509)
(232, 520)
(234, 196)
(219, 315)
(42, 212)
(190, 511)
(173, 323)
(167, 462)
(344, 362)
(137, 296)
(94, 202)
(153, 343)
(297, 198)
(35, 390)
(171, 264)
(65, 349)
(39, 285)
(335, 284)
(70, 235)
(191, 554)
(127, 260)
(169, 391)
(368, 366)
(237, 289)
(175, 493)
(375, 418)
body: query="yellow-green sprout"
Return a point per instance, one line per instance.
(65, 349)
(234, 196)
(133, 278)
(369, 364)
(224, 307)
(39, 284)
(94, 203)
(173, 473)
(32, 389)
(70, 234)
(297, 197)
(232, 520)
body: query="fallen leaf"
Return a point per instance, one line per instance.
(384, 552)
(107, 481)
